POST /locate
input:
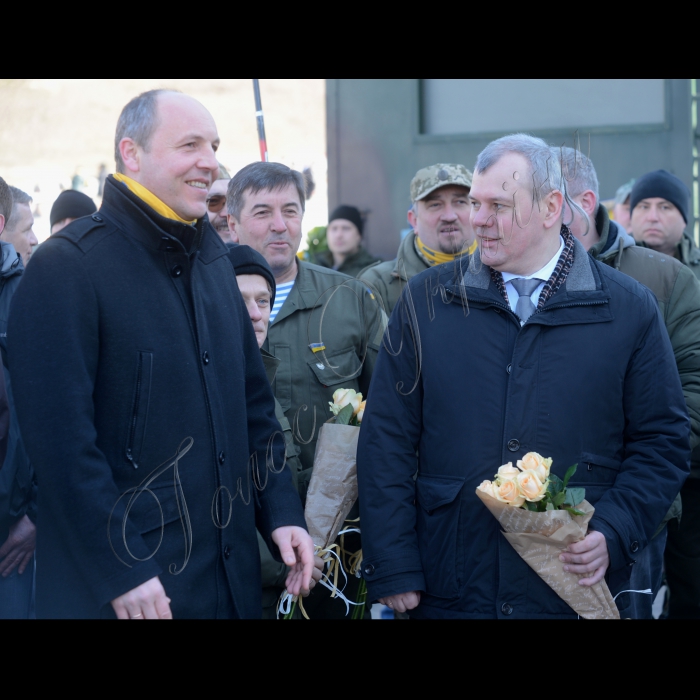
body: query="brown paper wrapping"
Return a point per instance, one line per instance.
(333, 486)
(539, 539)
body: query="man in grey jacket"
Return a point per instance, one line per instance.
(678, 293)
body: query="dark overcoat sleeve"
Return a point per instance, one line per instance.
(387, 464)
(53, 348)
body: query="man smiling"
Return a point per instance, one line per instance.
(527, 312)
(153, 381)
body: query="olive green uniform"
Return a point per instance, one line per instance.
(389, 278)
(326, 337)
(352, 265)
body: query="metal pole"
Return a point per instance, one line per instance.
(261, 121)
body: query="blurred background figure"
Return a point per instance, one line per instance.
(216, 205)
(19, 227)
(69, 206)
(621, 208)
(345, 252)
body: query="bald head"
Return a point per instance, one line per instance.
(178, 161)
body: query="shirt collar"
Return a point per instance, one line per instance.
(544, 274)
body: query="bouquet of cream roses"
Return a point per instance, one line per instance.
(541, 516)
(333, 491)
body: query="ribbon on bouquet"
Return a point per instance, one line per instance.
(328, 580)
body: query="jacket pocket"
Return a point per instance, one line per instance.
(331, 370)
(437, 528)
(154, 507)
(140, 407)
(596, 469)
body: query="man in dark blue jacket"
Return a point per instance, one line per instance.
(526, 312)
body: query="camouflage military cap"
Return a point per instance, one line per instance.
(624, 191)
(433, 177)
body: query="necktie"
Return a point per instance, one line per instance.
(525, 308)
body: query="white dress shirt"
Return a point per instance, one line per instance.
(544, 274)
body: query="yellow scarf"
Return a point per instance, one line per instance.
(435, 257)
(147, 196)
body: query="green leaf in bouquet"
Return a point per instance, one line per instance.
(532, 506)
(575, 496)
(558, 499)
(573, 511)
(569, 473)
(345, 415)
(555, 486)
(550, 506)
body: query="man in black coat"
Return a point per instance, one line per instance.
(143, 399)
(478, 369)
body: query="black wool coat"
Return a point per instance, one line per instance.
(147, 414)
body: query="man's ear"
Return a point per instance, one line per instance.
(589, 203)
(553, 204)
(130, 153)
(232, 227)
(412, 219)
(2, 224)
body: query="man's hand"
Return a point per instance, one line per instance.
(402, 602)
(589, 556)
(297, 550)
(18, 548)
(145, 602)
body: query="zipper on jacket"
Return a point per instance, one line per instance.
(134, 416)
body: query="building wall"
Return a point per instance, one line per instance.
(377, 139)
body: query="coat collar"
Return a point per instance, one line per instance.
(138, 220)
(583, 285)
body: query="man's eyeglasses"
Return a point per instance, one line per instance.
(216, 203)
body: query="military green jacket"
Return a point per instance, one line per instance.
(689, 254)
(677, 291)
(389, 278)
(326, 337)
(353, 264)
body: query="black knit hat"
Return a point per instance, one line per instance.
(661, 183)
(247, 261)
(350, 214)
(71, 204)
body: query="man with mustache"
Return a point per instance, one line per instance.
(441, 230)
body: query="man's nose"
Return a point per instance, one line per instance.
(278, 223)
(448, 214)
(33, 240)
(254, 312)
(481, 218)
(209, 162)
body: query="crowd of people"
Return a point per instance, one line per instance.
(168, 361)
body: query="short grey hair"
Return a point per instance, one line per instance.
(138, 121)
(577, 170)
(5, 200)
(545, 172)
(258, 177)
(18, 197)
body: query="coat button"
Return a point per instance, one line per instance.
(227, 552)
(513, 445)
(222, 457)
(507, 609)
(509, 368)
(369, 569)
(634, 547)
(97, 218)
(176, 271)
(205, 358)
